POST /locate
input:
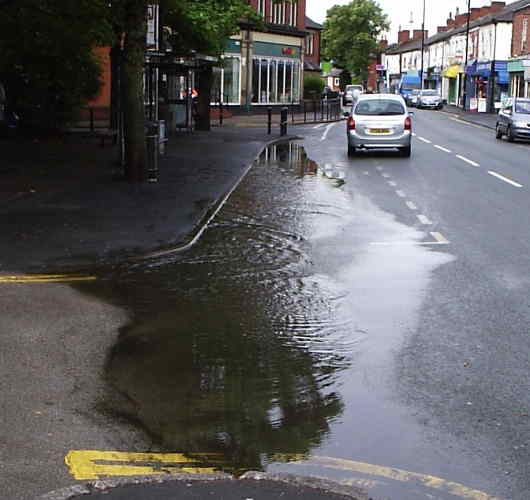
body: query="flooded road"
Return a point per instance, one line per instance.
(273, 341)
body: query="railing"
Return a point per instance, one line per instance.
(316, 110)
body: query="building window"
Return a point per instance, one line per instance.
(337, 82)
(284, 13)
(261, 7)
(524, 35)
(275, 81)
(294, 13)
(310, 44)
(227, 81)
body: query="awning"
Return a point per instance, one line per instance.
(515, 67)
(410, 80)
(471, 68)
(452, 71)
(503, 77)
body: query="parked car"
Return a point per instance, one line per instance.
(513, 119)
(351, 93)
(379, 121)
(429, 99)
(412, 98)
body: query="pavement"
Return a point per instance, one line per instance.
(62, 208)
(252, 485)
(487, 120)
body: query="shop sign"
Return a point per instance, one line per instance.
(482, 105)
(276, 50)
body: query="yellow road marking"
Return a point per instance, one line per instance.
(45, 278)
(426, 480)
(92, 464)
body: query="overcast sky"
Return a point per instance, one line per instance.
(399, 12)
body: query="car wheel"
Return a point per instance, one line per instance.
(509, 135)
(405, 152)
(498, 132)
(351, 151)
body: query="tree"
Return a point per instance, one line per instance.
(47, 64)
(350, 35)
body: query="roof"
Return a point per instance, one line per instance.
(309, 23)
(311, 66)
(504, 15)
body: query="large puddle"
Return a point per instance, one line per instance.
(273, 339)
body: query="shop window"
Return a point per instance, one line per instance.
(524, 35)
(227, 82)
(261, 7)
(275, 81)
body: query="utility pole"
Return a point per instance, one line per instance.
(464, 93)
(422, 45)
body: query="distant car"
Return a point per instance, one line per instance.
(351, 93)
(379, 121)
(429, 99)
(412, 98)
(513, 120)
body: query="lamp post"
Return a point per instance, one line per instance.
(422, 44)
(464, 93)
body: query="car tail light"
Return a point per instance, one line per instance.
(351, 123)
(408, 123)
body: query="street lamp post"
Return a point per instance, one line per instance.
(464, 93)
(422, 44)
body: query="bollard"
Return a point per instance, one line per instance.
(284, 117)
(269, 120)
(221, 113)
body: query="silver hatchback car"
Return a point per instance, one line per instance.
(379, 121)
(513, 119)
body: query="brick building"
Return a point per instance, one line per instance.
(265, 67)
(312, 47)
(519, 65)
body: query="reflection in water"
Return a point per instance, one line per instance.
(235, 346)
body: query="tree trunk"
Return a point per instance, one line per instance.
(115, 56)
(133, 89)
(204, 99)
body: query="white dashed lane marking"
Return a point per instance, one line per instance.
(400, 193)
(392, 183)
(411, 205)
(467, 160)
(424, 220)
(426, 141)
(441, 148)
(505, 179)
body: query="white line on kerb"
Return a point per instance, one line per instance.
(505, 179)
(440, 238)
(326, 132)
(424, 220)
(424, 140)
(400, 193)
(467, 160)
(411, 205)
(441, 148)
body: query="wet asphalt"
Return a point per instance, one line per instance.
(321, 327)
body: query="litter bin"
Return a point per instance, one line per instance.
(152, 143)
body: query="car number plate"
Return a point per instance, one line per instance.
(379, 131)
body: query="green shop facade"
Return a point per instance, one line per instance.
(260, 70)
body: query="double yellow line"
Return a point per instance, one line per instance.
(45, 278)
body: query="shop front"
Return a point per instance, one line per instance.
(519, 71)
(275, 74)
(487, 85)
(451, 84)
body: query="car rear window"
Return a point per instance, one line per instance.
(522, 107)
(379, 107)
(429, 92)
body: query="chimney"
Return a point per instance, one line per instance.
(460, 19)
(403, 36)
(496, 6)
(450, 21)
(442, 29)
(475, 13)
(418, 33)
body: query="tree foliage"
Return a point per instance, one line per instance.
(350, 35)
(47, 63)
(204, 25)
